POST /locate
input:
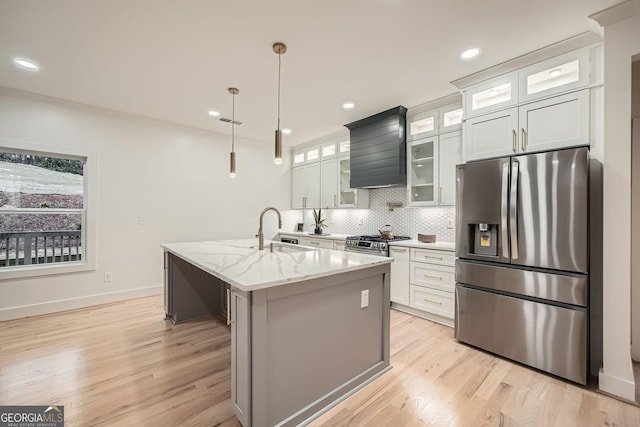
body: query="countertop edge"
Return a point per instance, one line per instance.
(248, 288)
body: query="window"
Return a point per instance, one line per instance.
(43, 212)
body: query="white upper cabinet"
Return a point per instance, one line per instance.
(434, 151)
(349, 197)
(305, 186)
(344, 148)
(329, 184)
(491, 135)
(554, 76)
(543, 106)
(451, 118)
(306, 155)
(558, 122)
(450, 155)
(422, 124)
(496, 94)
(321, 176)
(422, 174)
(329, 151)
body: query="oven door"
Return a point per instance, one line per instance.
(365, 251)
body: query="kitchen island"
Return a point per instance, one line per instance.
(308, 326)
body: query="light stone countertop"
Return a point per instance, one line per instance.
(239, 263)
(441, 246)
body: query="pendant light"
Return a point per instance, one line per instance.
(280, 49)
(232, 156)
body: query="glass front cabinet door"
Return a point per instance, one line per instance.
(423, 164)
(347, 195)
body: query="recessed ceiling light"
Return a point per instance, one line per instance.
(470, 53)
(286, 131)
(214, 113)
(348, 105)
(26, 64)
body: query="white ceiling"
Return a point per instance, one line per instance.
(174, 60)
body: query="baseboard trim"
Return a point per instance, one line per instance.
(419, 313)
(617, 386)
(74, 303)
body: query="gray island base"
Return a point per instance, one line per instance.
(299, 344)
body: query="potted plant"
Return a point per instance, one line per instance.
(319, 220)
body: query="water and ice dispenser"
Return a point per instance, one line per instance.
(485, 239)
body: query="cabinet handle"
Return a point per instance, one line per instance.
(432, 277)
(523, 140)
(432, 301)
(335, 200)
(304, 201)
(440, 196)
(229, 321)
(314, 243)
(398, 250)
(514, 144)
(433, 257)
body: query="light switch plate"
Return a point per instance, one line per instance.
(364, 298)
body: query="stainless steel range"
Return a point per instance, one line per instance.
(372, 244)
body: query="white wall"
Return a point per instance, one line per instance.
(175, 176)
(635, 212)
(622, 42)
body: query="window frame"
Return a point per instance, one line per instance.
(88, 262)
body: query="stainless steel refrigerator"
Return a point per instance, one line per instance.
(526, 242)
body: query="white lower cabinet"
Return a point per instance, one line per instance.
(433, 284)
(433, 302)
(339, 245)
(423, 282)
(399, 275)
(316, 243)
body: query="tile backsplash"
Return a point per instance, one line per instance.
(406, 221)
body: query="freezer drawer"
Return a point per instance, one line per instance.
(547, 337)
(559, 287)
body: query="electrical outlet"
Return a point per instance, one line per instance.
(449, 224)
(142, 220)
(361, 221)
(364, 298)
(108, 276)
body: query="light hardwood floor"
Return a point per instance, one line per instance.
(122, 365)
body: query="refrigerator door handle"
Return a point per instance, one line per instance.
(513, 210)
(504, 208)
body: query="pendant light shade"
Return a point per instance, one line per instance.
(232, 156)
(280, 49)
(232, 164)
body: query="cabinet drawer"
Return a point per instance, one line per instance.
(433, 276)
(432, 301)
(433, 256)
(317, 243)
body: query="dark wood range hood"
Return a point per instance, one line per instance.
(378, 150)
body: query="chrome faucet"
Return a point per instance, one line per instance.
(260, 236)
